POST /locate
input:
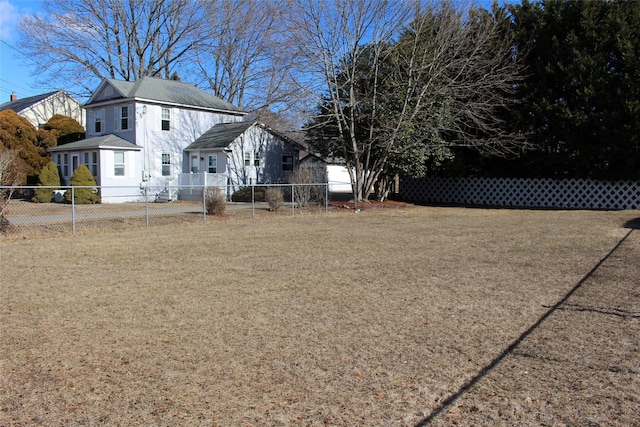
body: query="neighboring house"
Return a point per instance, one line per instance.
(333, 170)
(40, 108)
(246, 152)
(138, 134)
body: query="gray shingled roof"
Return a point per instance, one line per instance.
(220, 136)
(170, 92)
(22, 104)
(105, 141)
(122, 86)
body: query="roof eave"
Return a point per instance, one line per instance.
(156, 102)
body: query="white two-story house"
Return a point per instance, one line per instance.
(145, 134)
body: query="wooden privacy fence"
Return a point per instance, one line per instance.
(523, 192)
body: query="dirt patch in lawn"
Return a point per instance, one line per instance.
(389, 317)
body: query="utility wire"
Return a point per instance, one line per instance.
(30, 91)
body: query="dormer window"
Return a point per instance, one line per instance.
(166, 119)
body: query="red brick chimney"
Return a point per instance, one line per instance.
(14, 97)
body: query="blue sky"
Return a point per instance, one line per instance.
(16, 70)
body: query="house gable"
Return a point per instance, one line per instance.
(40, 108)
(251, 152)
(109, 90)
(20, 105)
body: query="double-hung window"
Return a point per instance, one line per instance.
(166, 119)
(247, 158)
(287, 163)
(97, 121)
(87, 162)
(256, 159)
(118, 163)
(166, 164)
(124, 117)
(65, 165)
(94, 163)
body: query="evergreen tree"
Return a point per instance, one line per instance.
(82, 178)
(49, 176)
(17, 133)
(65, 129)
(393, 106)
(581, 99)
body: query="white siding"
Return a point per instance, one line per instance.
(186, 126)
(270, 149)
(59, 103)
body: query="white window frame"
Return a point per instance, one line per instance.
(212, 167)
(256, 159)
(119, 168)
(98, 121)
(165, 119)
(248, 156)
(94, 163)
(165, 161)
(123, 117)
(195, 163)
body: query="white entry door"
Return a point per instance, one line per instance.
(195, 163)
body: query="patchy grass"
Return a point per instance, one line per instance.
(386, 317)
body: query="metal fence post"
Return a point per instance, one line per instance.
(326, 197)
(253, 201)
(204, 203)
(73, 211)
(146, 204)
(293, 200)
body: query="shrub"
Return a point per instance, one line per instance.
(275, 198)
(65, 129)
(244, 194)
(50, 177)
(5, 225)
(214, 201)
(82, 178)
(306, 193)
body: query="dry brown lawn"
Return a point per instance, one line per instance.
(396, 317)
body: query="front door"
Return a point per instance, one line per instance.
(195, 163)
(74, 163)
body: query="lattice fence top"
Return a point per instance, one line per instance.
(524, 192)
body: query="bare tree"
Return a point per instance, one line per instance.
(9, 176)
(246, 58)
(400, 78)
(80, 41)
(332, 39)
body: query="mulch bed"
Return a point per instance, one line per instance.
(371, 204)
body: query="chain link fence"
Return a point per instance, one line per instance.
(85, 209)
